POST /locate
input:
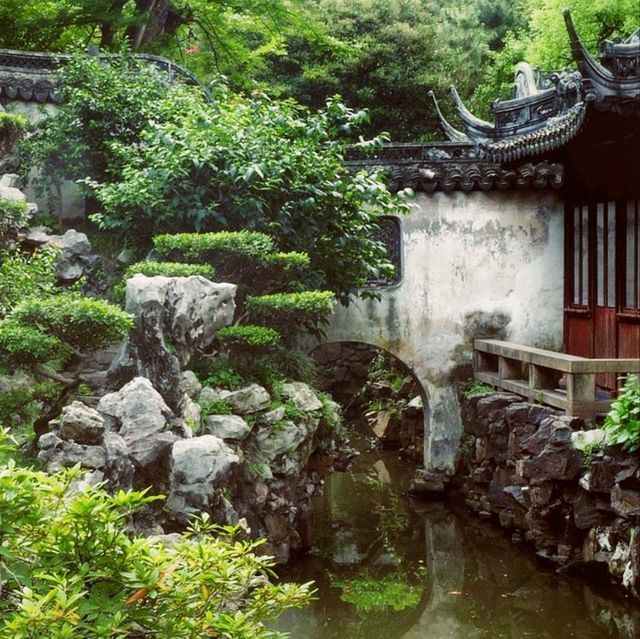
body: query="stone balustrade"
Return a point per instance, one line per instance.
(567, 382)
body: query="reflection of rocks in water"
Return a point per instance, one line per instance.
(461, 579)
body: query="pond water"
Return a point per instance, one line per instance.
(387, 566)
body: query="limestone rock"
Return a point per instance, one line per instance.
(285, 437)
(190, 384)
(140, 416)
(197, 466)
(245, 401)
(79, 437)
(82, 424)
(9, 190)
(302, 396)
(582, 439)
(185, 312)
(227, 426)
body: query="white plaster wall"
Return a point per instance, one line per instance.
(68, 202)
(465, 255)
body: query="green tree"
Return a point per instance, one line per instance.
(70, 569)
(543, 41)
(183, 163)
(386, 56)
(210, 36)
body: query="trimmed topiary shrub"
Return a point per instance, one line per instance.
(249, 337)
(81, 322)
(26, 346)
(285, 312)
(151, 268)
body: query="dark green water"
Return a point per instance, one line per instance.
(389, 567)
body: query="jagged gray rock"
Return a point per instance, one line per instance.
(79, 437)
(227, 426)
(197, 466)
(302, 396)
(245, 401)
(138, 413)
(186, 313)
(82, 424)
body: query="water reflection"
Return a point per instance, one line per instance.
(388, 567)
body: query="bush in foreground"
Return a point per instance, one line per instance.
(69, 569)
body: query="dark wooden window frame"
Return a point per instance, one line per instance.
(586, 309)
(570, 307)
(626, 312)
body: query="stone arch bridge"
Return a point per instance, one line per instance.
(473, 263)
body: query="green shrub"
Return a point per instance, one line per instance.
(71, 570)
(151, 268)
(623, 420)
(219, 374)
(281, 364)
(22, 402)
(287, 312)
(212, 248)
(284, 272)
(216, 407)
(248, 336)
(13, 217)
(83, 323)
(476, 388)
(12, 126)
(22, 277)
(25, 346)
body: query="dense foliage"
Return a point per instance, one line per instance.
(70, 569)
(260, 165)
(622, 423)
(386, 56)
(13, 217)
(24, 276)
(166, 159)
(107, 102)
(543, 41)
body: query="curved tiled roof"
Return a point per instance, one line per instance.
(32, 77)
(555, 133)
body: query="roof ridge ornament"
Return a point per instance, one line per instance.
(616, 88)
(452, 133)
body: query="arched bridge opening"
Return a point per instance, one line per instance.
(379, 392)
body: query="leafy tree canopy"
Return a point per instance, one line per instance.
(385, 56)
(543, 41)
(171, 161)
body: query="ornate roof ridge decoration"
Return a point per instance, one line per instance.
(452, 133)
(556, 132)
(32, 77)
(538, 120)
(480, 176)
(614, 85)
(544, 117)
(452, 166)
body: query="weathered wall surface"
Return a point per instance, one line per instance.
(67, 203)
(474, 264)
